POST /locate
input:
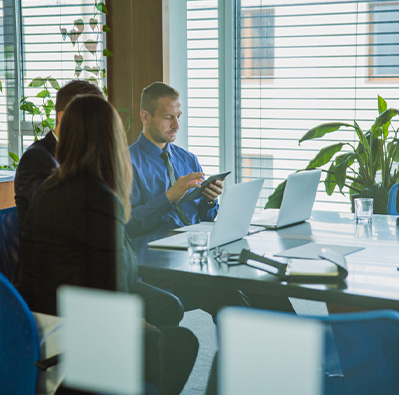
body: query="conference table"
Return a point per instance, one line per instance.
(372, 282)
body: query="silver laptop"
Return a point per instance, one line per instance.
(232, 223)
(296, 206)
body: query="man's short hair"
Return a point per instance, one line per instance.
(71, 90)
(153, 92)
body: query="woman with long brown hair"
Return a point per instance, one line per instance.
(74, 229)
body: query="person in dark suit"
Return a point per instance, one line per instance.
(38, 161)
(74, 229)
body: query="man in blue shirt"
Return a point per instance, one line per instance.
(156, 195)
(155, 199)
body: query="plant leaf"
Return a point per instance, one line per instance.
(91, 46)
(78, 71)
(108, 53)
(324, 155)
(73, 35)
(13, 156)
(48, 107)
(54, 83)
(64, 33)
(321, 130)
(103, 73)
(106, 29)
(382, 105)
(36, 82)
(43, 93)
(102, 8)
(78, 60)
(1, 87)
(342, 162)
(79, 24)
(330, 182)
(382, 119)
(93, 23)
(105, 90)
(274, 200)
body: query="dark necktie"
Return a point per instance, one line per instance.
(171, 173)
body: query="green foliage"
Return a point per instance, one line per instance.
(42, 110)
(355, 171)
(14, 163)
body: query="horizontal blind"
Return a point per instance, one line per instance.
(300, 64)
(203, 81)
(55, 34)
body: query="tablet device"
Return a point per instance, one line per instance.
(197, 193)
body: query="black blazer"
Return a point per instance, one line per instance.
(74, 234)
(35, 165)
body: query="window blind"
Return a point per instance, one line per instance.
(62, 40)
(300, 64)
(203, 80)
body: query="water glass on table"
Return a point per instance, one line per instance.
(198, 246)
(364, 209)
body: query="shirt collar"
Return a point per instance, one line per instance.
(55, 136)
(151, 148)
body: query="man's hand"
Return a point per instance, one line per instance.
(213, 190)
(183, 184)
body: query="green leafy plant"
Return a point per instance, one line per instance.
(355, 170)
(44, 109)
(14, 163)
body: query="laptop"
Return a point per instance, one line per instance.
(296, 206)
(232, 223)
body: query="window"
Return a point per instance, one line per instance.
(384, 41)
(257, 43)
(41, 39)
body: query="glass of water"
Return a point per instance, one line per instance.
(364, 209)
(198, 246)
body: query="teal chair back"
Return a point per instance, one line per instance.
(19, 343)
(392, 200)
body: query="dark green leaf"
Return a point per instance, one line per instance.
(105, 90)
(342, 162)
(324, 155)
(108, 53)
(54, 83)
(106, 29)
(361, 136)
(43, 93)
(321, 130)
(48, 107)
(102, 8)
(393, 150)
(103, 73)
(274, 200)
(329, 182)
(38, 81)
(37, 130)
(1, 87)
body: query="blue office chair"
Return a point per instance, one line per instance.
(392, 200)
(19, 343)
(9, 242)
(367, 344)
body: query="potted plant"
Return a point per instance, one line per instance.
(355, 170)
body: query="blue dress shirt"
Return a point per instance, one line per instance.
(151, 210)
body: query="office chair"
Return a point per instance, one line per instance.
(366, 344)
(19, 342)
(392, 200)
(9, 242)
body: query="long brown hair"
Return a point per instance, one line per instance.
(92, 139)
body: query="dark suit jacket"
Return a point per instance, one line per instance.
(73, 234)
(35, 166)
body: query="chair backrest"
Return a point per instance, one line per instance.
(9, 242)
(392, 200)
(263, 352)
(19, 343)
(360, 355)
(367, 344)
